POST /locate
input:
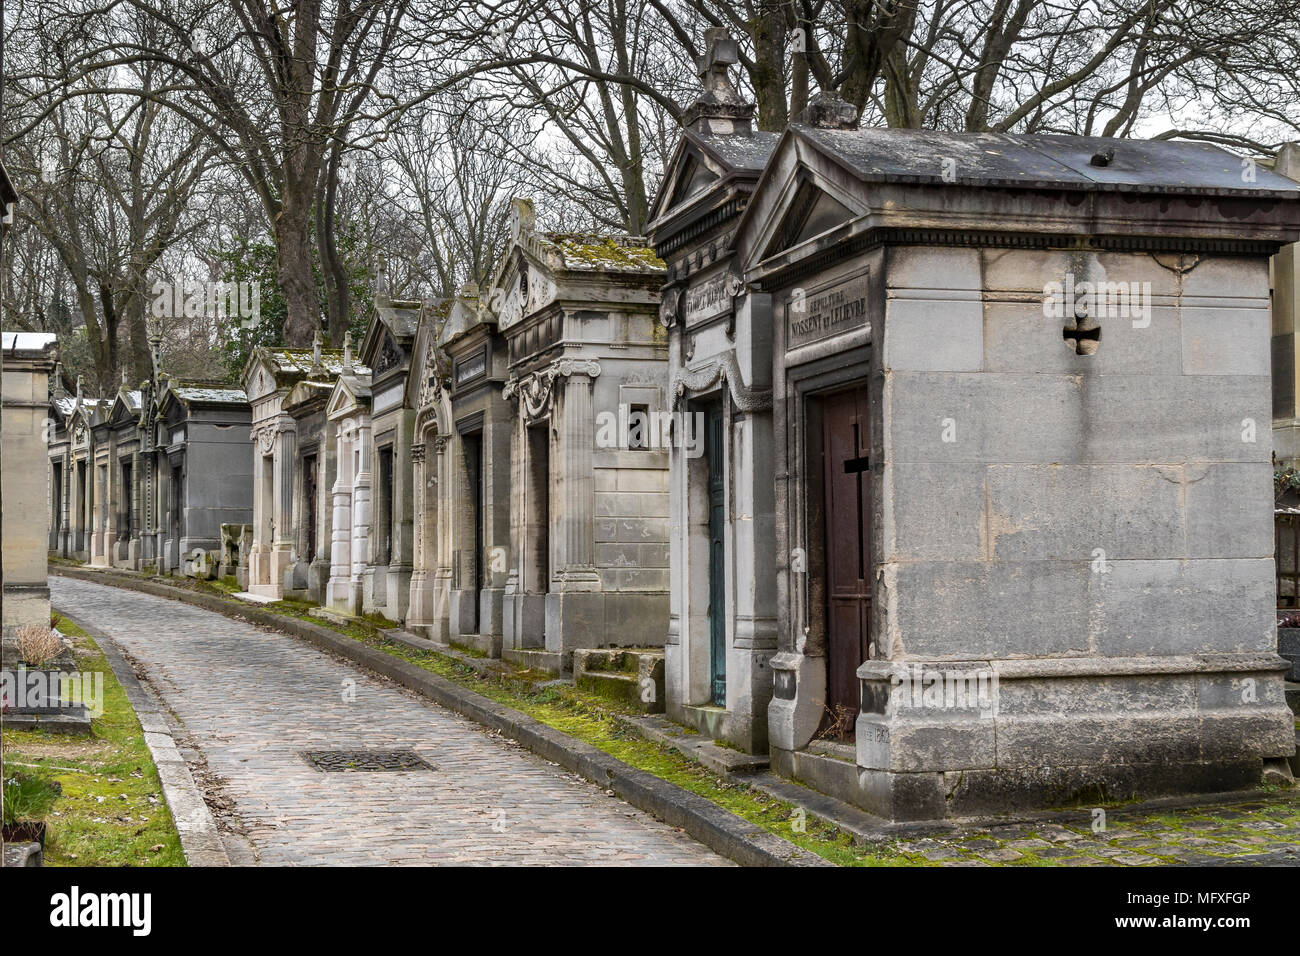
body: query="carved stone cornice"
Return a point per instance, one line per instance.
(726, 369)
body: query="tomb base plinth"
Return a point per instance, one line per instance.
(941, 739)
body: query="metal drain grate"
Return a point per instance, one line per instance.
(373, 761)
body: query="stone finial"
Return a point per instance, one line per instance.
(315, 350)
(828, 110)
(347, 353)
(155, 350)
(124, 378)
(522, 217)
(719, 109)
(381, 280)
(80, 384)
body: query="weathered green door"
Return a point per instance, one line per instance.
(717, 609)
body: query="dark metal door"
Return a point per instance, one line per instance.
(474, 478)
(717, 600)
(309, 496)
(848, 551)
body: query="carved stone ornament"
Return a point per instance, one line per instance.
(725, 369)
(265, 440)
(431, 389)
(534, 390)
(389, 356)
(669, 305)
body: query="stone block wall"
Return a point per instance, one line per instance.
(1046, 503)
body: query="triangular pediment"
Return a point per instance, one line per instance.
(350, 395)
(811, 212)
(692, 178)
(259, 376)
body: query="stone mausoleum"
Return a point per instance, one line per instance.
(1022, 465)
(588, 561)
(27, 360)
(722, 617)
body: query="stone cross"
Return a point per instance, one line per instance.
(347, 352)
(315, 350)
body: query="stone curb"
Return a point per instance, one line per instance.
(719, 829)
(200, 839)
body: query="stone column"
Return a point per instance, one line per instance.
(361, 515)
(575, 610)
(285, 461)
(65, 506)
(341, 531)
(419, 606)
(577, 438)
(440, 628)
(318, 574)
(402, 521)
(132, 530)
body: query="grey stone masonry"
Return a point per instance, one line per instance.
(588, 562)
(1059, 351)
(720, 372)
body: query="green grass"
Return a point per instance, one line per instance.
(111, 811)
(28, 796)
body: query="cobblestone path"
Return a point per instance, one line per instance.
(252, 701)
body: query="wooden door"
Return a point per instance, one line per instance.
(848, 550)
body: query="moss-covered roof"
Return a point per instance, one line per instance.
(604, 253)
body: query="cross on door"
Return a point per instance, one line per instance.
(858, 467)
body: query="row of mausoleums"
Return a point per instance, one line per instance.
(149, 478)
(919, 461)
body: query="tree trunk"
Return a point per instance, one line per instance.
(768, 75)
(338, 296)
(293, 241)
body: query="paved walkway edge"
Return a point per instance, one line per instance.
(200, 839)
(717, 828)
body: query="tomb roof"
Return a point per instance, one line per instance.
(1049, 161)
(293, 362)
(28, 344)
(602, 253)
(402, 318)
(738, 152)
(209, 394)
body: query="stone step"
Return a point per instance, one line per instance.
(536, 659)
(413, 641)
(486, 644)
(621, 659)
(696, 746)
(631, 675)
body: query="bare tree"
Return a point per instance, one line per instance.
(110, 180)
